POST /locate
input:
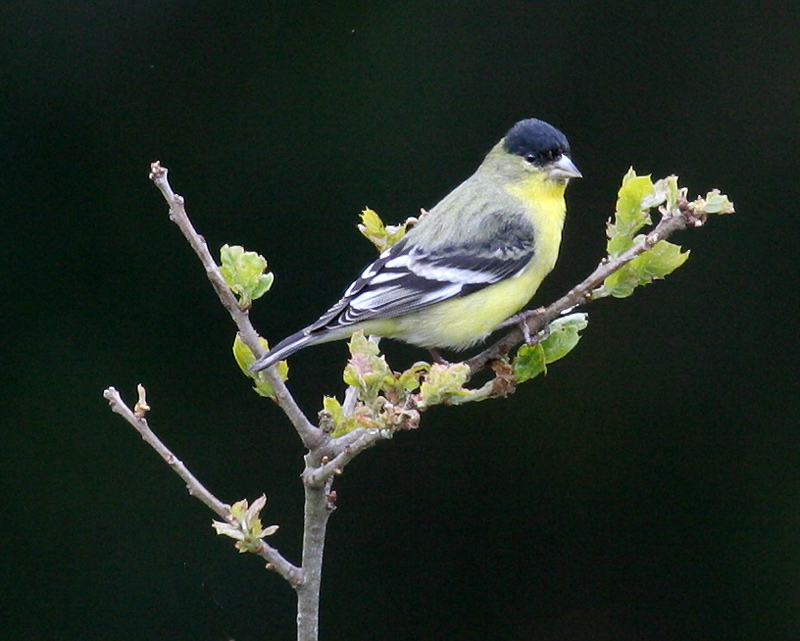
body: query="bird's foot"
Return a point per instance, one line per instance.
(521, 320)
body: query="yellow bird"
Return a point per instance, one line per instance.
(473, 261)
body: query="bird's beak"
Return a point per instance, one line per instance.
(563, 168)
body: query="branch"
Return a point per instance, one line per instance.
(356, 443)
(136, 418)
(536, 320)
(319, 504)
(311, 435)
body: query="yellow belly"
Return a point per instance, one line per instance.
(462, 322)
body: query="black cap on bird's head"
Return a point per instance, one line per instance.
(537, 139)
(541, 144)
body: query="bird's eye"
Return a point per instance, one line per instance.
(542, 157)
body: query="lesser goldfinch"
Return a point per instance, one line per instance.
(471, 262)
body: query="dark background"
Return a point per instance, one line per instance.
(648, 488)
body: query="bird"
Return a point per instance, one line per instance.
(471, 262)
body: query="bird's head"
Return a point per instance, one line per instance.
(533, 146)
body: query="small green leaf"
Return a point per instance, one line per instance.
(665, 191)
(636, 195)
(244, 359)
(409, 380)
(663, 259)
(529, 363)
(380, 235)
(245, 273)
(564, 336)
(334, 409)
(716, 203)
(360, 344)
(620, 284)
(333, 420)
(631, 194)
(618, 243)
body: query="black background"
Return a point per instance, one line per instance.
(647, 488)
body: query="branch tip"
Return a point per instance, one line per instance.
(157, 172)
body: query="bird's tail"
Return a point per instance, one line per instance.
(286, 347)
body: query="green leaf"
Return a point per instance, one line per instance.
(244, 359)
(334, 408)
(662, 259)
(529, 363)
(631, 194)
(409, 380)
(632, 212)
(245, 273)
(716, 203)
(620, 284)
(245, 525)
(333, 420)
(380, 235)
(665, 191)
(659, 261)
(563, 335)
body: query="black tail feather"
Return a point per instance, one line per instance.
(285, 348)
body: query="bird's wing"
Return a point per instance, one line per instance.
(406, 278)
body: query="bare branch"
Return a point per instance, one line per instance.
(275, 559)
(309, 433)
(138, 421)
(318, 476)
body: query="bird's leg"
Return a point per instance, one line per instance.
(437, 357)
(521, 321)
(542, 335)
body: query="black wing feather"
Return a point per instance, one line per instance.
(406, 278)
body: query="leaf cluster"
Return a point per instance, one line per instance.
(637, 196)
(245, 273)
(244, 525)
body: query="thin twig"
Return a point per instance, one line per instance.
(538, 319)
(309, 433)
(317, 476)
(287, 570)
(195, 487)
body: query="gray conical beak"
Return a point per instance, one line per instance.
(563, 168)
